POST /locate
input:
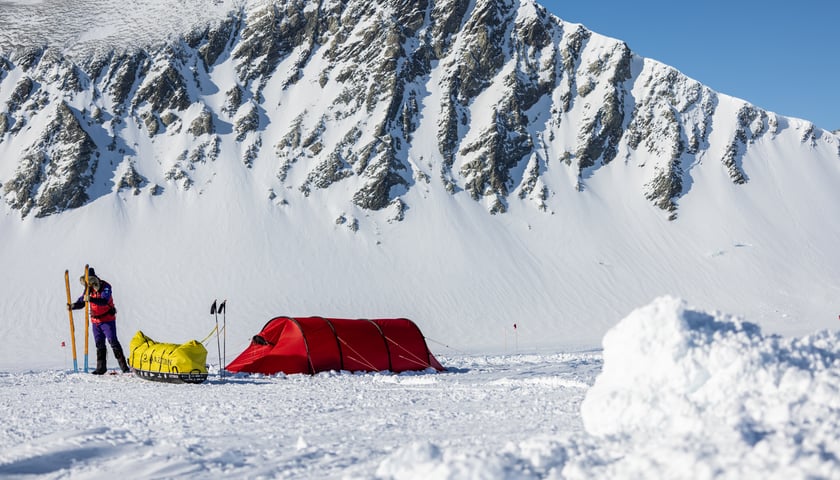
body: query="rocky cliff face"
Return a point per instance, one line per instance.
(489, 99)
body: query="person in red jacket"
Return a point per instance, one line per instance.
(103, 318)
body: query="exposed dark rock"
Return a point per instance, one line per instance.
(601, 135)
(218, 40)
(271, 33)
(206, 152)
(233, 99)
(249, 122)
(123, 73)
(448, 134)
(398, 207)
(666, 187)
(530, 182)
(671, 121)
(57, 170)
(751, 125)
(287, 148)
(446, 20)
(58, 71)
(352, 223)
(312, 141)
(150, 120)
(497, 151)
(330, 171)
(498, 206)
(484, 56)
(23, 90)
(570, 58)
(381, 168)
(478, 61)
(163, 88)
(731, 160)
(251, 153)
(178, 175)
(131, 179)
(20, 192)
(202, 124)
(809, 135)
(168, 118)
(27, 57)
(375, 194)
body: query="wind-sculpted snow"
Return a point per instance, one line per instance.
(682, 394)
(712, 391)
(677, 393)
(85, 27)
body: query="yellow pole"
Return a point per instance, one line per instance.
(87, 316)
(72, 325)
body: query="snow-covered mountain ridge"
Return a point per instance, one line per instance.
(497, 99)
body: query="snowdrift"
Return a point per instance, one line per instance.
(682, 394)
(710, 389)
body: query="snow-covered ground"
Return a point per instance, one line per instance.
(676, 393)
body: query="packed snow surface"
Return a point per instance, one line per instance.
(675, 393)
(119, 24)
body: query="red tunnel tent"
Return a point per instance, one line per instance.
(316, 344)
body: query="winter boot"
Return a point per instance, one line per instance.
(101, 358)
(118, 353)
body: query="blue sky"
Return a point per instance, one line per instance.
(783, 56)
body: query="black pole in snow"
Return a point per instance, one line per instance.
(224, 334)
(214, 311)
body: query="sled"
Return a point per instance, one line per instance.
(168, 362)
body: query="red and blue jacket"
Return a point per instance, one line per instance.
(101, 304)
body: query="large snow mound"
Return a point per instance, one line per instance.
(682, 394)
(710, 390)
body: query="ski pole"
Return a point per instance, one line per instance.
(214, 311)
(72, 325)
(87, 314)
(224, 336)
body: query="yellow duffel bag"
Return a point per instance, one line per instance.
(168, 362)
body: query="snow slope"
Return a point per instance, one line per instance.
(765, 249)
(677, 393)
(762, 250)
